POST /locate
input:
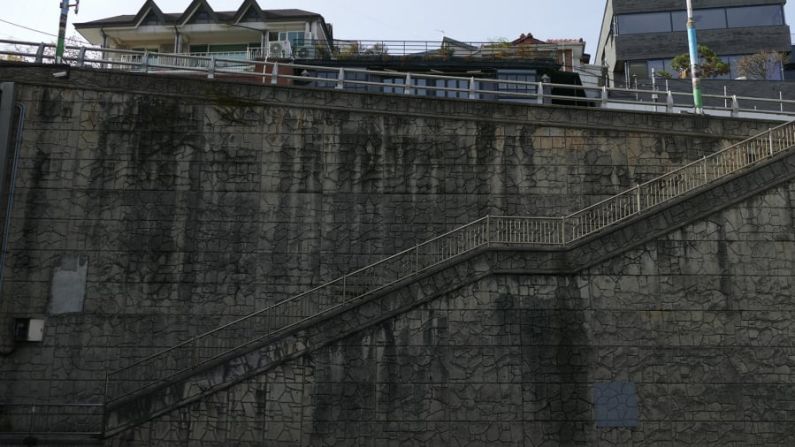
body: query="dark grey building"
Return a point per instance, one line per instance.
(642, 36)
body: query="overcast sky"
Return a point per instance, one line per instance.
(363, 19)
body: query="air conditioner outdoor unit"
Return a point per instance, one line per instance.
(280, 49)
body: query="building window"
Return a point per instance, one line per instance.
(705, 19)
(332, 76)
(296, 38)
(643, 73)
(755, 16)
(637, 71)
(656, 22)
(712, 18)
(395, 81)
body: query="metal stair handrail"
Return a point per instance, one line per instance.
(511, 231)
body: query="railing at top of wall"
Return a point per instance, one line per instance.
(255, 328)
(411, 84)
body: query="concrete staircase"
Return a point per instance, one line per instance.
(252, 345)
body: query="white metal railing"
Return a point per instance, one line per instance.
(336, 295)
(410, 84)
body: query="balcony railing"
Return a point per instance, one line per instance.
(342, 49)
(278, 72)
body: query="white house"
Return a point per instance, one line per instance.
(247, 33)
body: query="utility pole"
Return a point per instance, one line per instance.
(698, 101)
(59, 50)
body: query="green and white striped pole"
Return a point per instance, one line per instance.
(59, 49)
(692, 40)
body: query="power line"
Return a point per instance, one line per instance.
(27, 28)
(37, 31)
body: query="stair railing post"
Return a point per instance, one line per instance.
(488, 231)
(344, 286)
(770, 140)
(637, 197)
(706, 177)
(563, 230)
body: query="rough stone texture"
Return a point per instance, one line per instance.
(691, 331)
(197, 202)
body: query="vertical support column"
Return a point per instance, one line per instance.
(735, 106)
(605, 97)
(341, 79)
(472, 93)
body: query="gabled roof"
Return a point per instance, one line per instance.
(448, 42)
(248, 7)
(527, 39)
(149, 7)
(194, 7)
(229, 17)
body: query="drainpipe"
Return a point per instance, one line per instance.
(177, 40)
(698, 102)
